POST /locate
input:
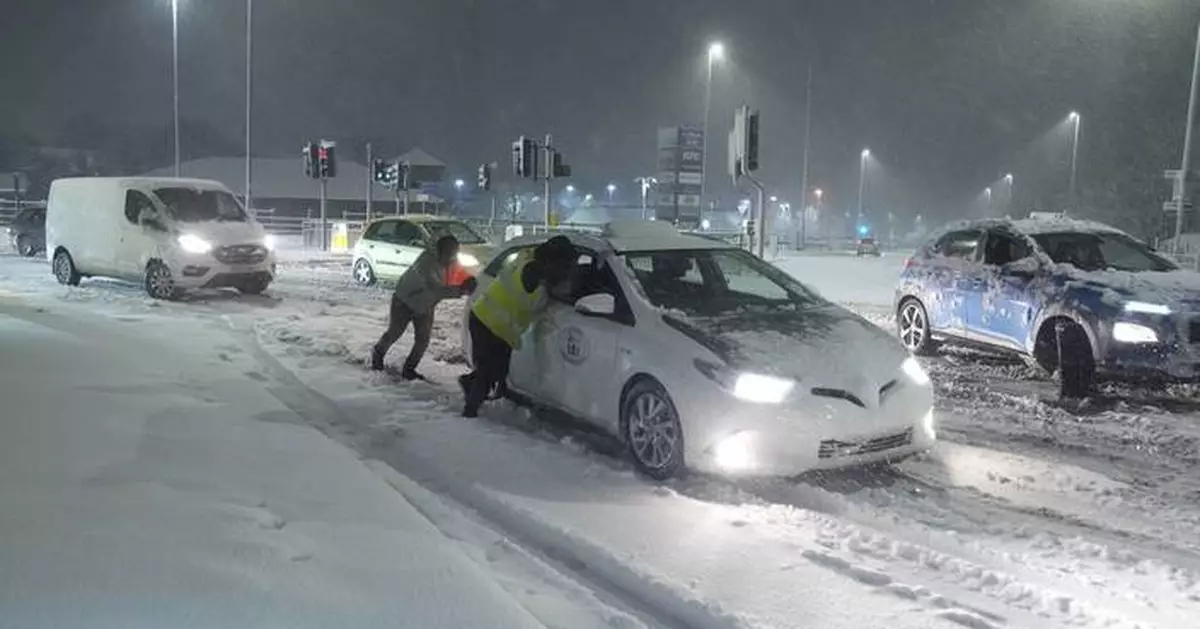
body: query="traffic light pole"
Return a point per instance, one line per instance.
(760, 228)
(370, 183)
(324, 220)
(548, 152)
(407, 179)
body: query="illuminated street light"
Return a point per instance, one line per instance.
(459, 183)
(716, 52)
(774, 199)
(862, 179)
(866, 154)
(570, 189)
(1075, 118)
(612, 187)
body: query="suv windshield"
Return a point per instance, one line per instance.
(714, 282)
(193, 206)
(1099, 251)
(461, 231)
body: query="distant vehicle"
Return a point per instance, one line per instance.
(868, 247)
(27, 232)
(699, 355)
(390, 245)
(169, 234)
(1079, 298)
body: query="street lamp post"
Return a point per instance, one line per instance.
(175, 74)
(862, 179)
(716, 52)
(1008, 200)
(646, 183)
(1186, 162)
(987, 201)
(1077, 119)
(612, 187)
(246, 196)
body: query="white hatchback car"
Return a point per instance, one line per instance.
(699, 355)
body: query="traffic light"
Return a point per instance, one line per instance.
(485, 177)
(381, 172)
(750, 162)
(327, 160)
(559, 168)
(525, 158)
(311, 168)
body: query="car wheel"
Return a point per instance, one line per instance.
(1067, 348)
(652, 430)
(254, 286)
(912, 324)
(64, 269)
(364, 275)
(25, 247)
(158, 281)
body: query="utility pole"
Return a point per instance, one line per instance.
(804, 168)
(1180, 194)
(175, 75)
(249, 98)
(324, 220)
(548, 151)
(407, 167)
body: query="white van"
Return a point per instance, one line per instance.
(169, 234)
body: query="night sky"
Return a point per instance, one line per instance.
(948, 94)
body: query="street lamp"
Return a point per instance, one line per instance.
(459, 183)
(1075, 118)
(1185, 162)
(987, 200)
(774, 199)
(1008, 199)
(612, 187)
(175, 74)
(646, 183)
(862, 178)
(716, 52)
(570, 189)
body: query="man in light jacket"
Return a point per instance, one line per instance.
(417, 295)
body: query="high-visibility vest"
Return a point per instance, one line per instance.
(505, 307)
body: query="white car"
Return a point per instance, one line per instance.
(699, 355)
(391, 244)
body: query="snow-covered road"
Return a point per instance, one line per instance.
(1027, 515)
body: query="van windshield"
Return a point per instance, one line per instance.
(190, 205)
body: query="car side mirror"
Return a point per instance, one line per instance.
(596, 305)
(1021, 269)
(150, 222)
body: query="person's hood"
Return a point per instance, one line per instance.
(821, 347)
(221, 233)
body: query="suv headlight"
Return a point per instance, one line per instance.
(1126, 332)
(192, 243)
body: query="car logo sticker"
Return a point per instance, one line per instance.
(573, 345)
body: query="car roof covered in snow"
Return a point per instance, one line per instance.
(629, 235)
(418, 218)
(1029, 226)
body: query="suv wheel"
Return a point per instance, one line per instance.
(912, 325)
(1063, 348)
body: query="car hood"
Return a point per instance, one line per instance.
(222, 233)
(821, 347)
(1173, 288)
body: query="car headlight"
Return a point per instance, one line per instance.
(1147, 308)
(915, 372)
(929, 426)
(1126, 332)
(192, 243)
(753, 387)
(269, 242)
(467, 259)
(735, 452)
(750, 387)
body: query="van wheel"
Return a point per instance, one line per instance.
(652, 430)
(158, 281)
(64, 269)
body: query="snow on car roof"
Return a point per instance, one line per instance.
(1058, 224)
(630, 235)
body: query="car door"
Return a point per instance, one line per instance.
(1000, 305)
(582, 349)
(410, 242)
(951, 261)
(136, 240)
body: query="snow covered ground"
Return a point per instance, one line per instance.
(1028, 514)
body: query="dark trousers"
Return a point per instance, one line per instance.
(490, 355)
(398, 319)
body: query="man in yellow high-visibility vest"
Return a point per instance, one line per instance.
(505, 310)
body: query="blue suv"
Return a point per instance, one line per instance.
(1078, 298)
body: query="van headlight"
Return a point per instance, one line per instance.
(269, 242)
(915, 372)
(192, 243)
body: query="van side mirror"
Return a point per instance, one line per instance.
(151, 222)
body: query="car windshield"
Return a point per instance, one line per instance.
(1099, 251)
(191, 205)
(714, 282)
(460, 230)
